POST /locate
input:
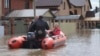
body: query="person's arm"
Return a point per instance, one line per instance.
(47, 26)
(32, 27)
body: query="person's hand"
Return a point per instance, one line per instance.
(48, 31)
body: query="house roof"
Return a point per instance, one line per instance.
(68, 17)
(54, 12)
(48, 2)
(77, 3)
(90, 3)
(27, 13)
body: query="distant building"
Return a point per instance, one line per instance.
(59, 7)
(10, 5)
(66, 7)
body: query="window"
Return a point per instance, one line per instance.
(6, 3)
(75, 11)
(64, 6)
(26, 4)
(70, 12)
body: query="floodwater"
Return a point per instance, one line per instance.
(84, 42)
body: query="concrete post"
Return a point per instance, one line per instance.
(12, 26)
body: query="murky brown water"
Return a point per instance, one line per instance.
(82, 43)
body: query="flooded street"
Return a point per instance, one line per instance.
(81, 43)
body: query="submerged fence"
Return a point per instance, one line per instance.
(87, 24)
(21, 27)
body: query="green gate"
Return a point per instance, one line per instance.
(20, 27)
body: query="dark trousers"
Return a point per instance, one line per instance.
(40, 36)
(33, 40)
(31, 44)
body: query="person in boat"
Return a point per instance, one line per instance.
(39, 27)
(56, 30)
(37, 31)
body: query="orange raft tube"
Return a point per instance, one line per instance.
(47, 43)
(54, 41)
(16, 42)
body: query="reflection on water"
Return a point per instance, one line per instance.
(84, 42)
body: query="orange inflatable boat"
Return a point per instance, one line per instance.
(46, 43)
(16, 42)
(54, 41)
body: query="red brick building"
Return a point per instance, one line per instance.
(10, 5)
(7, 7)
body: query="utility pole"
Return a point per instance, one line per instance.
(34, 8)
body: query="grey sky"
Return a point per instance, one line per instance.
(95, 3)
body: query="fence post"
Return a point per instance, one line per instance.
(12, 26)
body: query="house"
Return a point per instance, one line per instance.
(7, 7)
(10, 5)
(59, 7)
(22, 19)
(66, 7)
(79, 7)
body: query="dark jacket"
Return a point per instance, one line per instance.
(38, 25)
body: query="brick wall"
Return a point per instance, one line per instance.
(15, 5)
